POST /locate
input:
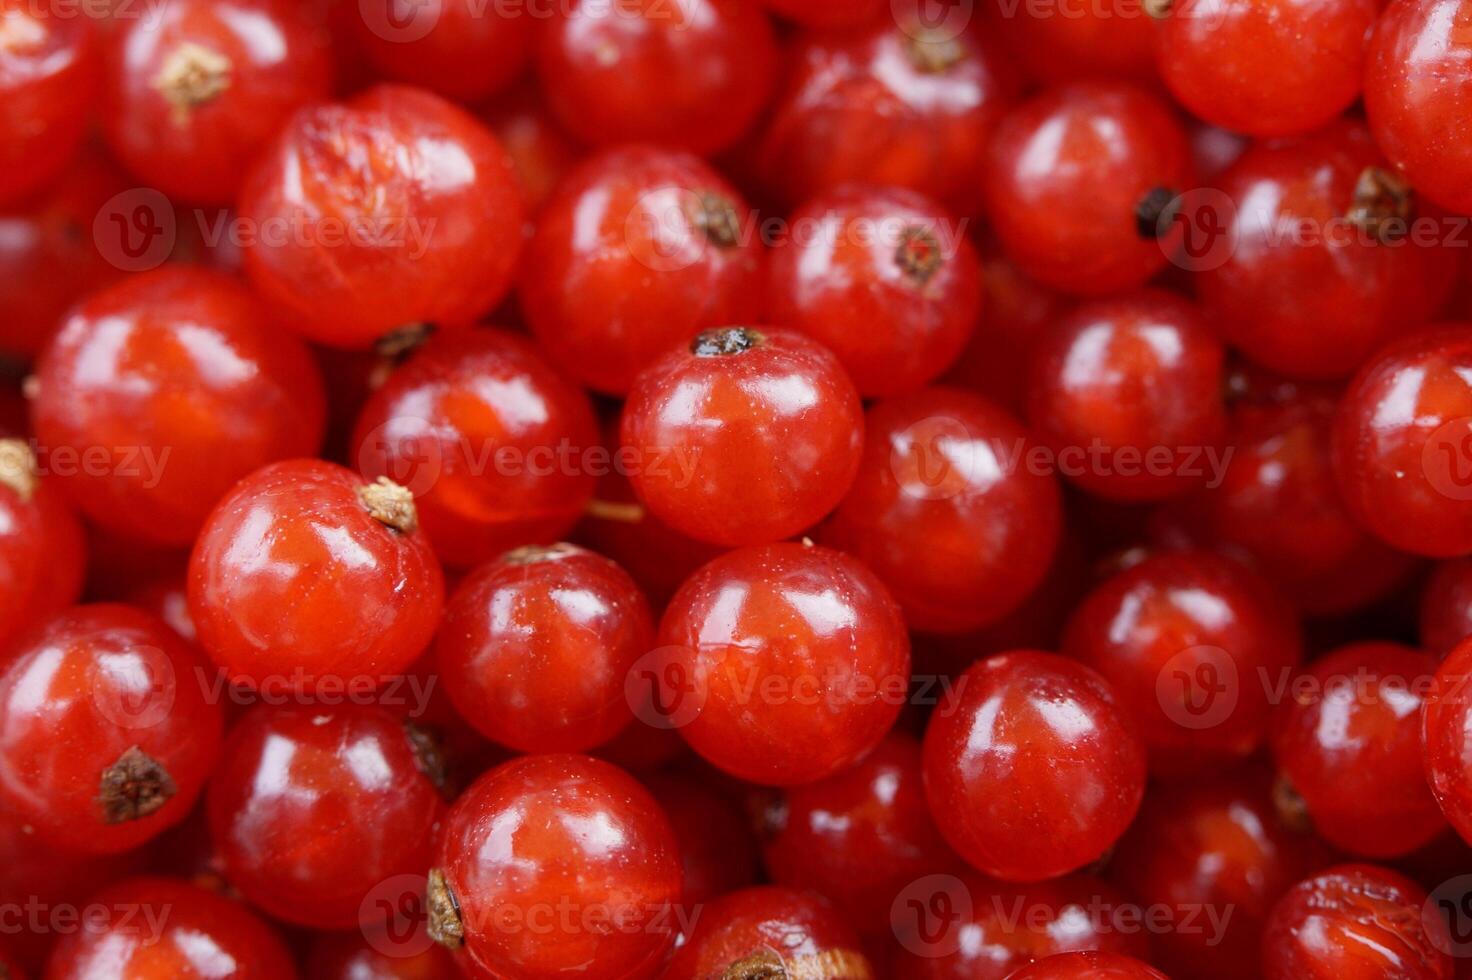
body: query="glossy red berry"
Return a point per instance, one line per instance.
(1348, 745)
(637, 250)
(646, 71)
(1400, 443)
(1089, 966)
(554, 863)
(1446, 606)
(782, 664)
(1355, 920)
(743, 436)
(305, 576)
(1127, 394)
(761, 932)
(107, 728)
(1319, 219)
(1447, 744)
(1214, 844)
(1418, 96)
(858, 837)
(495, 445)
(49, 76)
(882, 277)
(197, 87)
(43, 553)
(892, 104)
(947, 511)
(999, 754)
(535, 648)
(161, 392)
(393, 209)
(1188, 639)
(1078, 182)
(1264, 67)
(463, 49)
(196, 935)
(312, 807)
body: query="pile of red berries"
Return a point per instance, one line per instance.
(735, 489)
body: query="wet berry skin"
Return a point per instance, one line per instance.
(490, 439)
(744, 435)
(394, 208)
(858, 837)
(1400, 443)
(636, 251)
(1213, 844)
(1310, 286)
(643, 71)
(1448, 750)
(554, 863)
(769, 931)
(50, 70)
(159, 393)
(889, 104)
(946, 511)
(462, 49)
(999, 753)
(889, 259)
(201, 933)
(43, 552)
(311, 807)
(1264, 67)
(535, 647)
(294, 582)
(784, 663)
(1185, 638)
(1349, 744)
(196, 89)
(107, 731)
(1355, 920)
(1418, 96)
(1126, 391)
(1088, 966)
(1075, 179)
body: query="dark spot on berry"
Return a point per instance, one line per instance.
(134, 787)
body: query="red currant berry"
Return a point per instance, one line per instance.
(1320, 219)
(637, 250)
(106, 729)
(176, 382)
(465, 50)
(1263, 67)
(858, 837)
(1446, 606)
(305, 575)
(200, 935)
(1418, 93)
(647, 71)
(552, 864)
(43, 553)
(1088, 966)
(891, 260)
(491, 440)
(535, 648)
(394, 208)
(1128, 394)
(199, 86)
(1114, 40)
(311, 807)
(1355, 920)
(747, 435)
(50, 68)
(1026, 734)
(946, 511)
(1187, 639)
(1079, 181)
(1398, 443)
(891, 104)
(1447, 722)
(167, 596)
(1213, 845)
(769, 932)
(785, 663)
(1348, 748)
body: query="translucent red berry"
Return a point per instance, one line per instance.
(763, 932)
(42, 548)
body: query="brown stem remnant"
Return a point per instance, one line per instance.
(390, 504)
(1382, 205)
(18, 467)
(134, 786)
(445, 925)
(918, 254)
(192, 75)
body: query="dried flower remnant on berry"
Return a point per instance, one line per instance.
(134, 786)
(192, 75)
(445, 926)
(390, 504)
(726, 340)
(18, 467)
(1382, 205)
